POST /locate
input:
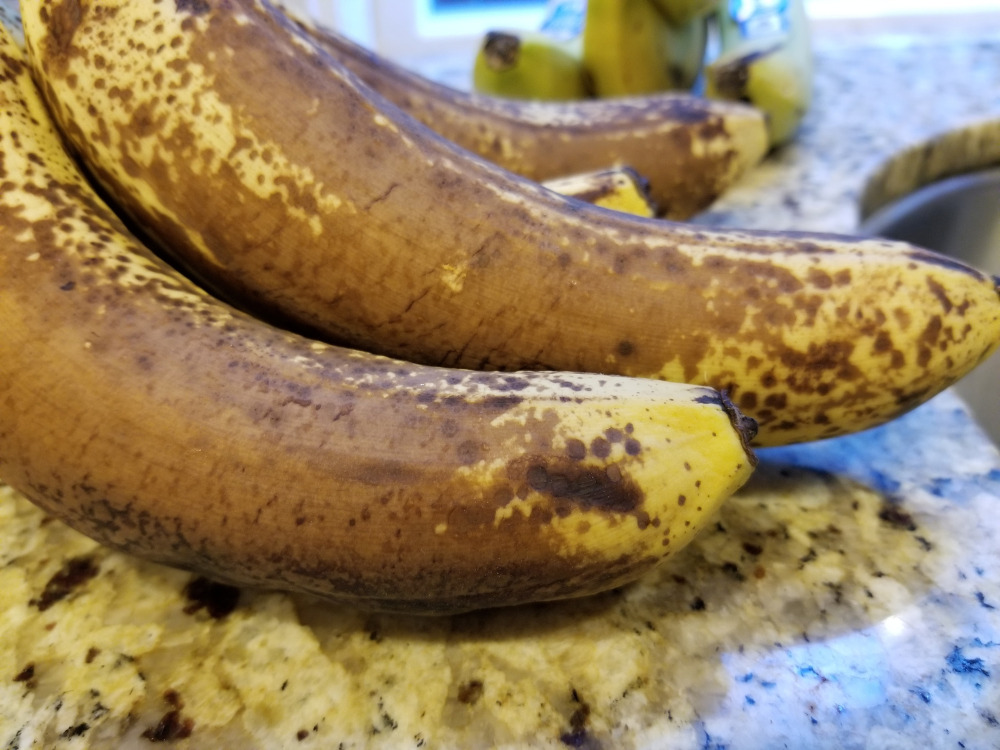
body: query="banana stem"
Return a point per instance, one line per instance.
(501, 50)
(746, 426)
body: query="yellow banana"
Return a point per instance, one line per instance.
(689, 148)
(629, 48)
(766, 60)
(268, 170)
(620, 189)
(157, 420)
(528, 66)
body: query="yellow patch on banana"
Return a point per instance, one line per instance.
(620, 189)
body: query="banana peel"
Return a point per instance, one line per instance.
(519, 65)
(772, 70)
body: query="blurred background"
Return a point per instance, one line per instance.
(421, 32)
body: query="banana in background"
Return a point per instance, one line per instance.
(755, 51)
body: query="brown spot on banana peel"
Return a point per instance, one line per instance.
(692, 304)
(164, 423)
(62, 18)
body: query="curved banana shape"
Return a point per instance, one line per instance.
(528, 66)
(690, 149)
(269, 170)
(157, 420)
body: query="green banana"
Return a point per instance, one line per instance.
(766, 60)
(529, 66)
(630, 48)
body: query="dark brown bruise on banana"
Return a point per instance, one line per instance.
(794, 327)
(544, 140)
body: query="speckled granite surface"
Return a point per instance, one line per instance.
(848, 597)
(922, 669)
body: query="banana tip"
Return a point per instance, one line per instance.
(745, 425)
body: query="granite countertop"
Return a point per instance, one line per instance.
(847, 597)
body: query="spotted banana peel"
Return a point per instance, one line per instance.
(272, 174)
(691, 149)
(158, 420)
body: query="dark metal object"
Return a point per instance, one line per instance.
(958, 216)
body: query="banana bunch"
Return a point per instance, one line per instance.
(766, 60)
(501, 457)
(156, 419)
(631, 47)
(601, 48)
(285, 185)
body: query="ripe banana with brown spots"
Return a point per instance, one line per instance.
(275, 176)
(160, 421)
(691, 149)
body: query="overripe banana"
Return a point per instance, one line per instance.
(620, 189)
(765, 59)
(528, 66)
(629, 47)
(690, 149)
(159, 421)
(268, 169)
